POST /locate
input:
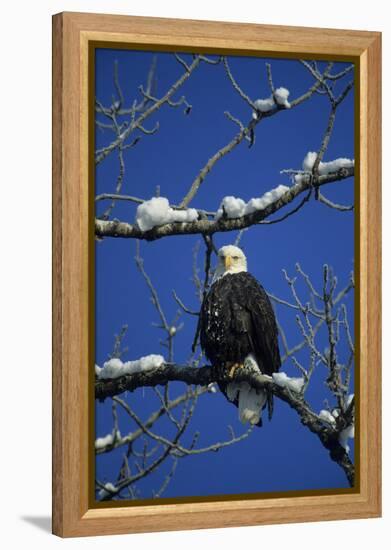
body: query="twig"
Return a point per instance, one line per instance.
(182, 305)
(236, 86)
(330, 204)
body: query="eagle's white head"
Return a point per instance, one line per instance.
(230, 259)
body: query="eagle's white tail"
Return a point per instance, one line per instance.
(250, 401)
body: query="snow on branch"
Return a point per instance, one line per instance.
(279, 98)
(157, 211)
(327, 417)
(108, 489)
(107, 441)
(324, 168)
(116, 228)
(232, 207)
(333, 417)
(284, 381)
(115, 368)
(346, 434)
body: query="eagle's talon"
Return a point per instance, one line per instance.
(234, 368)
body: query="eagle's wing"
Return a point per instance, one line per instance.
(262, 331)
(257, 319)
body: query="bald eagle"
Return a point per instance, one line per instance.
(238, 330)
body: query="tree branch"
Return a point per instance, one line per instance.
(206, 375)
(115, 228)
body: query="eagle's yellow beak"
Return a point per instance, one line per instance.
(228, 262)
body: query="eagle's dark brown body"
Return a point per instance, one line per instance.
(236, 320)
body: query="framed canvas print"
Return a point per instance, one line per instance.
(216, 229)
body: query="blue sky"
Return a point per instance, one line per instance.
(283, 455)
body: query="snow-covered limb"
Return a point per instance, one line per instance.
(203, 376)
(107, 489)
(281, 96)
(115, 368)
(345, 434)
(284, 381)
(107, 440)
(348, 401)
(327, 416)
(278, 98)
(233, 207)
(167, 372)
(157, 211)
(348, 432)
(324, 168)
(115, 228)
(263, 106)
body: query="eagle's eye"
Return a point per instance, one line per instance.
(235, 258)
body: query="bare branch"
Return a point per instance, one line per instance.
(336, 206)
(117, 197)
(182, 62)
(176, 447)
(181, 304)
(154, 295)
(131, 437)
(235, 120)
(118, 186)
(152, 109)
(117, 85)
(168, 478)
(341, 74)
(270, 77)
(236, 86)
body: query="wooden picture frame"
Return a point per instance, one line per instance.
(72, 286)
